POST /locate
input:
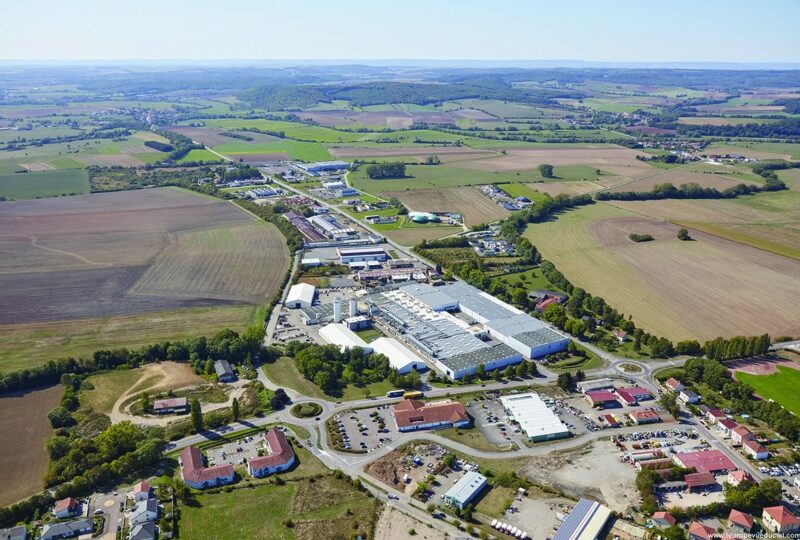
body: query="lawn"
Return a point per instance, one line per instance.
(34, 185)
(284, 373)
(471, 437)
(522, 190)
(108, 387)
(530, 280)
(781, 386)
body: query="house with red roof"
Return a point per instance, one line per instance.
(726, 426)
(609, 419)
(740, 434)
(601, 398)
(754, 449)
(544, 304)
(632, 396)
(740, 522)
(674, 384)
(663, 519)
(280, 458)
(713, 414)
(778, 519)
(646, 416)
(698, 531)
(141, 491)
(68, 507)
(620, 335)
(412, 415)
(736, 477)
(702, 481)
(197, 475)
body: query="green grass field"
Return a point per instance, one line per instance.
(781, 386)
(528, 279)
(199, 155)
(299, 150)
(34, 185)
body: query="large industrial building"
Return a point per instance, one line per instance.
(300, 295)
(323, 166)
(400, 357)
(359, 254)
(460, 327)
(465, 490)
(339, 334)
(585, 522)
(534, 417)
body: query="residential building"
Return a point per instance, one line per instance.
(144, 531)
(465, 490)
(413, 415)
(740, 434)
(713, 415)
(14, 533)
(754, 449)
(620, 335)
(741, 522)
(67, 529)
(698, 531)
(197, 475)
(301, 295)
(674, 384)
(68, 507)
(779, 519)
(171, 405)
(736, 477)
(534, 417)
(586, 522)
(663, 519)
(688, 396)
(141, 491)
(224, 371)
(726, 426)
(281, 456)
(144, 512)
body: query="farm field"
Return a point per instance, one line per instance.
(416, 153)
(680, 176)
(678, 289)
(768, 221)
(205, 253)
(23, 459)
(758, 150)
(411, 236)
(46, 183)
(722, 121)
(468, 201)
(431, 176)
(299, 150)
(780, 386)
(197, 155)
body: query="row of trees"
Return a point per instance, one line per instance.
(737, 347)
(691, 191)
(380, 171)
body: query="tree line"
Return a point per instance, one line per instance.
(691, 191)
(381, 171)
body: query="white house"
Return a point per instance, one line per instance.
(755, 450)
(144, 512)
(141, 491)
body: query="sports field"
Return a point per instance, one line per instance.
(673, 288)
(167, 259)
(780, 386)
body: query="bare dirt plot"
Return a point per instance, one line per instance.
(83, 257)
(678, 177)
(617, 160)
(394, 525)
(23, 459)
(592, 471)
(467, 201)
(676, 289)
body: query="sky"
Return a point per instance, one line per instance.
(755, 31)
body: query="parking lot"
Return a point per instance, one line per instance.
(490, 419)
(291, 322)
(366, 429)
(236, 452)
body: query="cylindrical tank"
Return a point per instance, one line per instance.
(353, 307)
(337, 310)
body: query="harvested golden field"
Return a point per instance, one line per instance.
(747, 152)
(24, 425)
(699, 289)
(472, 204)
(569, 188)
(419, 153)
(98, 257)
(414, 235)
(677, 177)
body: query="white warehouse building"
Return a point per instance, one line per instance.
(534, 417)
(339, 334)
(465, 490)
(400, 357)
(300, 295)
